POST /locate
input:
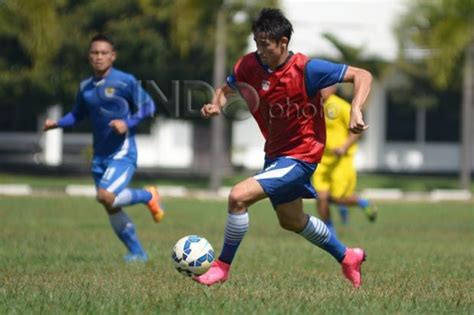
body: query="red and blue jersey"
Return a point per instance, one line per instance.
(289, 109)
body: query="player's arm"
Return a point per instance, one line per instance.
(218, 101)
(362, 80)
(143, 105)
(351, 139)
(321, 73)
(70, 119)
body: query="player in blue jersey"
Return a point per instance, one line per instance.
(115, 103)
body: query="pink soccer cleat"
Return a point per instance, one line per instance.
(351, 265)
(219, 272)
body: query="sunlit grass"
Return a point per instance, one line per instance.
(59, 255)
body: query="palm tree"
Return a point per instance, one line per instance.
(443, 30)
(355, 56)
(227, 39)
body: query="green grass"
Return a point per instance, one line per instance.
(404, 182)
(59, 255)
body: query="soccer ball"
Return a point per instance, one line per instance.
(192, 255)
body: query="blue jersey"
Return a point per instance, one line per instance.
(116, 96)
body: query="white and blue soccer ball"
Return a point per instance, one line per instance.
(192, 255)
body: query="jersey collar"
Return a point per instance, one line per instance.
(100, 80)
(267, 69)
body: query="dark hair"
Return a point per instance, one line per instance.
(273, 23)
(102, 38)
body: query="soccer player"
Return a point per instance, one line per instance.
(290, 117)
(335, 178)
(115, 103)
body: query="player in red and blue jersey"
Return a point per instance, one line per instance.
(114, 102)
(282, 91)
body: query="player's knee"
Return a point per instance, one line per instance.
(323, 196)
(289, 226)
(292, 225)
(105, 198)
(236, 200)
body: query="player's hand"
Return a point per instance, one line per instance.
(119, 126)
(210, 110)
(339, 151)
(357, 124)
(50, 124)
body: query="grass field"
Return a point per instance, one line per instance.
(59, 255)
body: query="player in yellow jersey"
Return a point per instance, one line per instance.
(335, 177)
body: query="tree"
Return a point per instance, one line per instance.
(30, 35)
(354, 56)
(442, 30)
(44, 43)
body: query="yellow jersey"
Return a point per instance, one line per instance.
(337, 116)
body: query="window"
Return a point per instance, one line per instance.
(401, 120)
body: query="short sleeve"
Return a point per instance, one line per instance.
(321, 73)
(231, 81)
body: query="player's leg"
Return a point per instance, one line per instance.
(368, 207)
(242, 195)
(116, 179)
(111, 181)
(342, 185)
(343, 213)
(322, 205)
(321, 180)
(344, 194)
(125, 231)
(286, 199)
(292, 218)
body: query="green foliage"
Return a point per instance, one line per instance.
(59, 256)
(354, 56)
(30, 37)
(44, 43)
(444, 29)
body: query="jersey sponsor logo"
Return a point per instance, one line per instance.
(332, 111)
(109, 91)
(265, 85)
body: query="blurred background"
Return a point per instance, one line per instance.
(420, 111)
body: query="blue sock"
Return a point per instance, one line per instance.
(235, 229)
(330, 226)
(130, 196)
(344, 213)
(318, 234)
(363, 203)
(125, 231)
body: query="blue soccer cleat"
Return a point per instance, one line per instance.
(130, 257)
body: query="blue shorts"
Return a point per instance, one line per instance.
(112, 175)
(285, 179)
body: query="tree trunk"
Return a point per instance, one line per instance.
(218, 123)
(466, 114)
